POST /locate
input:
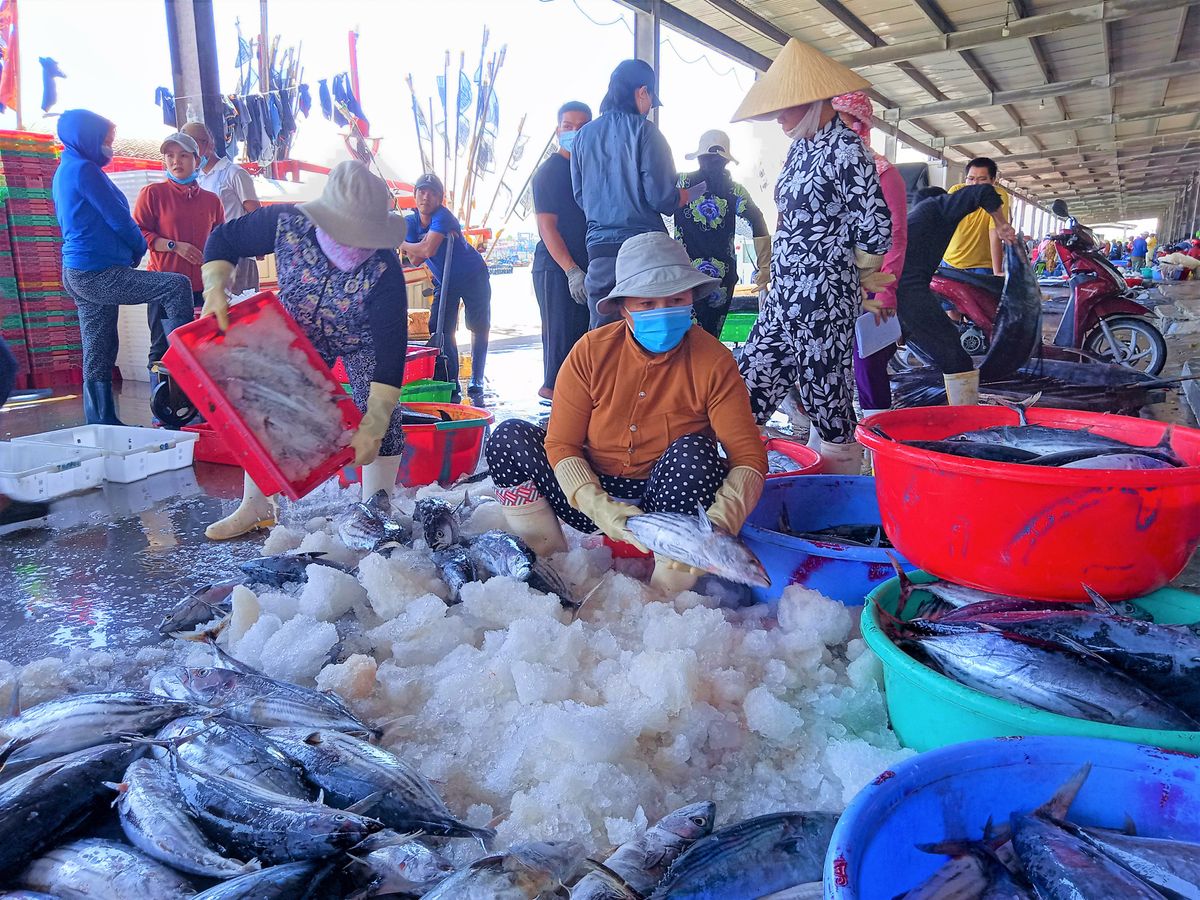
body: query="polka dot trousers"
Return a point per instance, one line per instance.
(686, 476)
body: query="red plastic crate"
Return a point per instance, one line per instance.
(53, 378)
(418, 364)
(247, 449)
(210, 447)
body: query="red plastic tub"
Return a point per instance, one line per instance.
(210, 447)
(808, 461)
(1033, 531)
(247, 450)
(418, 365)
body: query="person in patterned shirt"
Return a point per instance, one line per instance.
(834, 229)
(706, 227)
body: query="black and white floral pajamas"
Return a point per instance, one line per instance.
(830, 202)
(686, 477)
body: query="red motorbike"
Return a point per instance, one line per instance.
(1103, 321)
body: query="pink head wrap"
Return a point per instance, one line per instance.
(858, 105)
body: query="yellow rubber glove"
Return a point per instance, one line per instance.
(736, 498)
(762, 261)
(216, 274)
(381, 402)
(584, 493)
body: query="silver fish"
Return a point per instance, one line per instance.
(401, 864)
(642, 862)
(287, 568)
(265, 825)
(695, 540)
(1062, 866)
(349, 771)
(370, 524)
(203, 605)
(457, 569)
(85, 720)
(254, 699)
(501, 553)
(27, 895)
(1172, 866)
(1018, 324)
(290, 881)
(438, 521)
(42, 806)
(545, 578)
(1130, 461)
(525, 872)
(153, 817)
(95, 869)
(778, 463)
(231, 750)
(751, 858)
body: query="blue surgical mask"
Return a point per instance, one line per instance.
(203, 163)
(566, 140)
(106, 153)
(189, 180)
(660, 330)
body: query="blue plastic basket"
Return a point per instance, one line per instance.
(952, 792)
(814, 502)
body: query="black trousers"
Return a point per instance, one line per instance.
(930, 332)
(156, 319)
(712, 318)
(685, 477)
(564, 321)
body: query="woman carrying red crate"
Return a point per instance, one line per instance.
(342, 282)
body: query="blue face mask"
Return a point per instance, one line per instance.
(189, 180)
(566, 140)
(203, 163)
(660, 330)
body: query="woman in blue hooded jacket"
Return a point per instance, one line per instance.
(102, 246)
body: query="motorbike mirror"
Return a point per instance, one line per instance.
(1059, 208)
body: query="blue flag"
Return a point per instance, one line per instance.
(464, 93)
(422, 123)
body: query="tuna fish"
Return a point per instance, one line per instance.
(438, 521)
(642, 862)
(103, 870)
(50, 801)
(1128, 461)
(286, 568)
(154, 819)
(695, 540)
(401, 864)
(290, 881)
(1171, 866)
(231, 750)
(212, 601)
(350, 771)
(370, 524)
(1064, 867)
(752, 858)
(525, 872)
(501, 553)
(456, 568)
(1018, 325)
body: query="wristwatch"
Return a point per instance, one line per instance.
(170, 244)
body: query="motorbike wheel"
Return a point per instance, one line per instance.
(172, 411)
(1139, 345)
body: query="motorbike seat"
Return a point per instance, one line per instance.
(991, 283)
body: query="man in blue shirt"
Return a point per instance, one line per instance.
(1139, 251)
(433, 235)
(624, 176)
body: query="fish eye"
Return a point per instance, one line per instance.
(700, 821)
(203, 673)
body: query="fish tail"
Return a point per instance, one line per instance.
(1020, 407)
(1059, 804)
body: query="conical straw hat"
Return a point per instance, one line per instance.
(800, 74)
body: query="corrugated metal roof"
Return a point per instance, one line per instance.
(1121, 147)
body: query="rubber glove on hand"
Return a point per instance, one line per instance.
(762, 261)
(736, 498)
(216, 274)
(575, 278)
(381, 403)
(584, 492)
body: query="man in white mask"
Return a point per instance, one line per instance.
(834, 229)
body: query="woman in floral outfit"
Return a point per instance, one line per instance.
(707, 224)
(834, 228)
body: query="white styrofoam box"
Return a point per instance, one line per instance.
(133, 343)
(130, 453)
(33, 472)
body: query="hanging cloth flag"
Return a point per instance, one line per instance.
(464, 134)
(485, 156)
(518, 150)
(326, 100)
(10, 75)
(524, 205)
(245, 54)
(344, 93)
(50, 71)
(164, 98)
(422, 122)
(305, 100)
(464, 93)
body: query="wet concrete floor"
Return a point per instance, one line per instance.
(114, 559)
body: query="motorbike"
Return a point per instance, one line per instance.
(1103, 320)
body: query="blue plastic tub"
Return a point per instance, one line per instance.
(814, 502)
(953, 792)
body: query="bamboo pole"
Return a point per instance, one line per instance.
(504, 172)
(449, 199)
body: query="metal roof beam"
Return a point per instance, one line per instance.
(1017, 29)
(984, 137)
(706, 34)
(751, 20)
(1162, 139)
(1146, 162)
(1054, 89)
(1039, 54)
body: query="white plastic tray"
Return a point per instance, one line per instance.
(44, 471)
(130, 453)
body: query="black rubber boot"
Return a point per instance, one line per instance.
(99, 405)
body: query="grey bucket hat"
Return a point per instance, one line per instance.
(355, 209)
(653, 265)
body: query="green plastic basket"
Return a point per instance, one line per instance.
(929, 710)
(737, 327)
(426, 390)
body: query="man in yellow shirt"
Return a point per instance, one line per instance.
(975, 246)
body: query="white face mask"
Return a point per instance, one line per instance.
(809, 122)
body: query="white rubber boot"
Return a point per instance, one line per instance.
(814, 437)
(962, 389)
(255, 511)
(537, 525)
(842, 459)
(380, 476)
(671, 581)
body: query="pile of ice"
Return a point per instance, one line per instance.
(580, 727)
(288, 404)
